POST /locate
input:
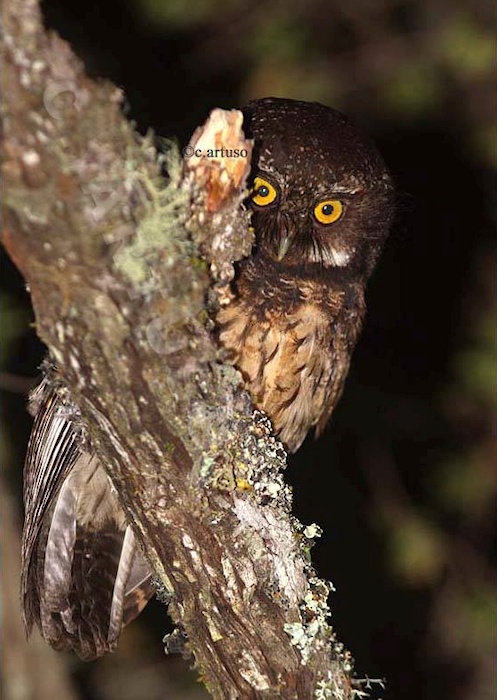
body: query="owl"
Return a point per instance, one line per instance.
(321, 200)
(321, 209)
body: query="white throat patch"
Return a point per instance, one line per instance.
(340, 258)
(331, 257)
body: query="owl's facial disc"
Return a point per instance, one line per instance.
(297, 234)
(323, 195)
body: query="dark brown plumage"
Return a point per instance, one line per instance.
(322, 202)
(298, 303)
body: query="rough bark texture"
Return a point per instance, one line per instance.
(123, 268)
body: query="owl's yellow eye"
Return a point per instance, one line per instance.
(328, 211)
(263, 193)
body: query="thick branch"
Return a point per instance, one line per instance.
(120, 265)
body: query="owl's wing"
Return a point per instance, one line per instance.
(335, 386)
(83, 575)
(342, 339)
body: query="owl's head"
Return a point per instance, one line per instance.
(321, 194)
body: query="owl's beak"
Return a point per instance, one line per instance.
(287, 233)
(283, 247)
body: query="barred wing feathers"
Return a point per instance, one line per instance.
(83, 574)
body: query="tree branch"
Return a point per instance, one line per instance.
(125, 268)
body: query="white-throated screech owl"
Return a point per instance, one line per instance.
(321, 202)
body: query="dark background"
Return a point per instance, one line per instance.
(403, 482)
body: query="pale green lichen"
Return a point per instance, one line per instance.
(336, 687)
(364, 684)
(165, 213)
(312, 531)
(313, 628)
(300, 638)
(330, 689)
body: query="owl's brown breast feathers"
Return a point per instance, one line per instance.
(291, 339)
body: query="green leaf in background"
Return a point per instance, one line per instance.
(416, 550)
(413, 89)
(180, 14)
(466, 48)
(475, 367)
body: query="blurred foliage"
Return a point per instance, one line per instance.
(404, 481)
(414, 56)
(174, 13)
(467, 48)
(416, 550)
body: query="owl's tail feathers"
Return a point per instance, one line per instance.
(82, 588)
(133, 587)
